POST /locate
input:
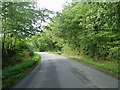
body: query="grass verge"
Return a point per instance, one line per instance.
(108, 67)
(12, 74)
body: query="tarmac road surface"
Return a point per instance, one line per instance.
(55, 71)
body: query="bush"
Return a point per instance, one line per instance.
(19, 53)
(114, 53)
(31, 53)
(11, 73)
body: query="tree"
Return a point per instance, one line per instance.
(20, 20)
(89, 28)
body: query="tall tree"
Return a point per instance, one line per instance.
(20, 20)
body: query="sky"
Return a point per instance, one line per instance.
(55, 5)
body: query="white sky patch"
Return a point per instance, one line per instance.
(54, 5)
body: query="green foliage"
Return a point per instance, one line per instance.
(36, 58)
(42, 43)
(19, 22)
(114, 53)
(18, 19)
(21, 52)
(12, 74)
(90, 28)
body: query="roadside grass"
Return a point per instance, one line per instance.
(109, 67)
(12, 74)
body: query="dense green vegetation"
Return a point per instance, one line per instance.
(14, 73)
(88, 28)
(20, 21)
(43, 43)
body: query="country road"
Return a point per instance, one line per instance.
(55, 71)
